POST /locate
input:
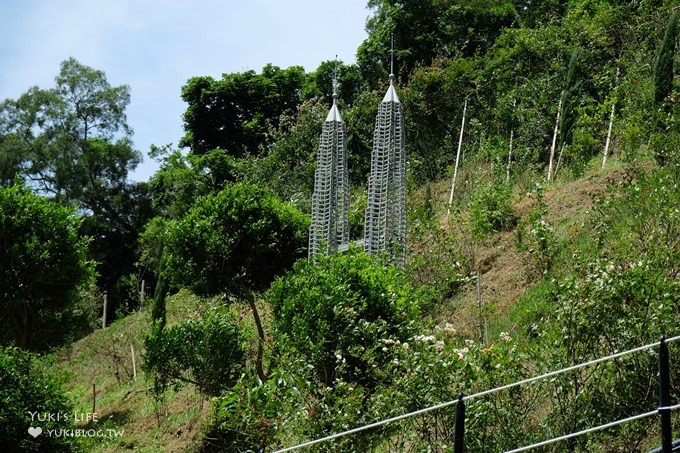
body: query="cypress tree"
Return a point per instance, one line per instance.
(663, 68)
(568, 117)
(161, 292)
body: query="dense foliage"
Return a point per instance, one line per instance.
(334, 310)
(28, 397)
(43, 271)
(234, 242)
(207, 352)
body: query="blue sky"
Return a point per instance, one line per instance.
(154, 46)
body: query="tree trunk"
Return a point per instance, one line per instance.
(260, 343)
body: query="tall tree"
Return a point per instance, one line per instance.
(235, 243)
(73, 143)
(663, 88)
(663, 68)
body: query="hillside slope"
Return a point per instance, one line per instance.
(103, 360)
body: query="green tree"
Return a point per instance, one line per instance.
(664, 137)
(428, 30)
(235, 242)
(26, 390)
(73, 143)
(319, 84)
(43, 268)
(232, 113)
(663, 67)
(568, 116)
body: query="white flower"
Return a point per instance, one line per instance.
(448, 327)
(505, 337)
(461, 352)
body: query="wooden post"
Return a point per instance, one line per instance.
(106, 299)
(455, 168)
(142, 295)
(507, 172)
(134, 365)
(482, 318)
(554, 141)
(611, 122)
(512, 134)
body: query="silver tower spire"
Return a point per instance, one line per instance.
(330, 200)
(385, 219)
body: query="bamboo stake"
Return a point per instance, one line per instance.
(142, 294)
(455, 168)
(106, 299)
(512, 134)
(554, 141)
(507, 171)
(134, 365)
(611, 122)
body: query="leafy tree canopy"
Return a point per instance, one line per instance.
(232, 113)
(235, 241)
(338, 311)
(43, 266)
(72, 141)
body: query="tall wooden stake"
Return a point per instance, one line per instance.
(554, 141)
(611, 122)
(106, 300)
(134, 364)
(455, 168)
(142, 294)
(512, 134)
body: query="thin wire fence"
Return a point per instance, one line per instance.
(502, 388)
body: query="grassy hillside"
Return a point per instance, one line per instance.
(104, 359)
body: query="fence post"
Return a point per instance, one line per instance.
(665, 398)
(459, 432)
(106, 300)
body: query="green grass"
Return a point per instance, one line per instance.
(124, 403)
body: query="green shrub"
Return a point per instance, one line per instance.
(490, 208)
(26, 390)
(209, 353)
(536, 237)
(336, 310)
(43, 270)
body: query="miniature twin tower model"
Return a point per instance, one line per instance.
(385, 217)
